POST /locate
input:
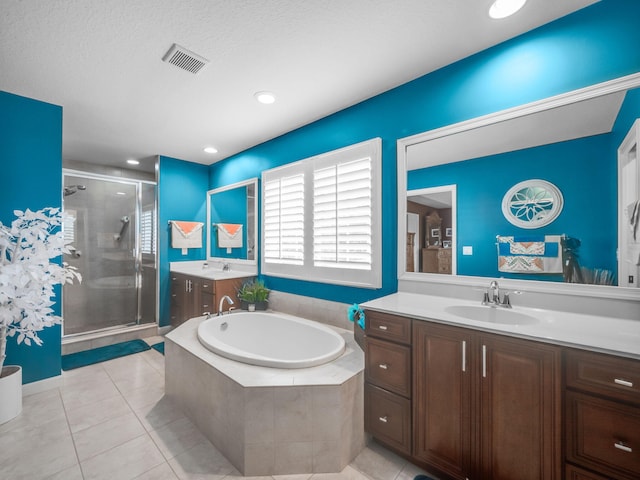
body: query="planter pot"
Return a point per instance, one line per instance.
(253, 306)
(10, 392)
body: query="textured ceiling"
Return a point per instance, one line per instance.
(102, 61)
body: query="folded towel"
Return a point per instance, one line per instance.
(529, 255)
(229, 235)
(513, 246)
(186, 234)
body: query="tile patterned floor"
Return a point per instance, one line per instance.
(112, 421)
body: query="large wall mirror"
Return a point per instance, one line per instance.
(232, 222)
(569, 143)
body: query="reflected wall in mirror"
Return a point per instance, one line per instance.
(232, 222)
(570, 141)
(431, 220)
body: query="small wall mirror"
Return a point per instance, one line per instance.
(232, 222)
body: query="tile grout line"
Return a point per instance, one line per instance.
(73, 440)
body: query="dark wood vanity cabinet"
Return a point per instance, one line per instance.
(486, 406)
(193, 296)
(480, 406)
(387, 405)
(602, 417)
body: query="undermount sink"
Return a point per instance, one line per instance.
(483, 313)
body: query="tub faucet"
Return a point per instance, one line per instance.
(221, 304)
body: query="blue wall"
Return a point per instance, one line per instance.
(182, 195)
(31, 159)
(595, 44)
(579, 168)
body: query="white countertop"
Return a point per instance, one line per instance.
(212, 272)
(602, 334)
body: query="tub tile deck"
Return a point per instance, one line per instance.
(270, 421)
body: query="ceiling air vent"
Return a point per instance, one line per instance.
(184, 59)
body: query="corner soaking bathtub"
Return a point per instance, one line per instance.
(270, 339)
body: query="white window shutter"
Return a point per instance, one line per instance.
(147, 232)
(342, 216)
(284, 220)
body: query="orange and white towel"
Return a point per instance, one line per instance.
(229, 235)
(527, 255)
(186, 234)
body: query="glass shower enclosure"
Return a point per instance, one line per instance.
(111, 225)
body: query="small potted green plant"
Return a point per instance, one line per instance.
(253, 295)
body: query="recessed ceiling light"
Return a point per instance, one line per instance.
(132, 161)
(210, 149)
(265, 97)
(505, 8)
(120, 193)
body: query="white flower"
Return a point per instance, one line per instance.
(27, 275)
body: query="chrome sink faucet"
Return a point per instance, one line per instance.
(492, 296)
(221, 304)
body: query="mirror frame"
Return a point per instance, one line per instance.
(616, 85)
(210, 193)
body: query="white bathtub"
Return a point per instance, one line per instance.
(270, 339)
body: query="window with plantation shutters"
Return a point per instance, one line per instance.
(342, 211)
(321, 218)
(69, 226)
(148, 232)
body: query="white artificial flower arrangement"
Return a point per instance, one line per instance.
(28, 277)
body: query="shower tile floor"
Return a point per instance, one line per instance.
(112, 421)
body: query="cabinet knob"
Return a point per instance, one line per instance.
(623, 447)
(624, 383)
(382, 327)
(383, 366)
(383, 419)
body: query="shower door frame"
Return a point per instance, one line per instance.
(138, 251)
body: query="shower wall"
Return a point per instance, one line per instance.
(111, 226)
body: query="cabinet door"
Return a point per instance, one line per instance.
(520, 406)
(442, 397)
(184, 297)
(179, 298)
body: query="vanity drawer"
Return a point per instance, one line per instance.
(207, 286)
(614, 377)
(603, 435)
(388, 365)
(575, 473)
(388, 418)
(388, 327)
